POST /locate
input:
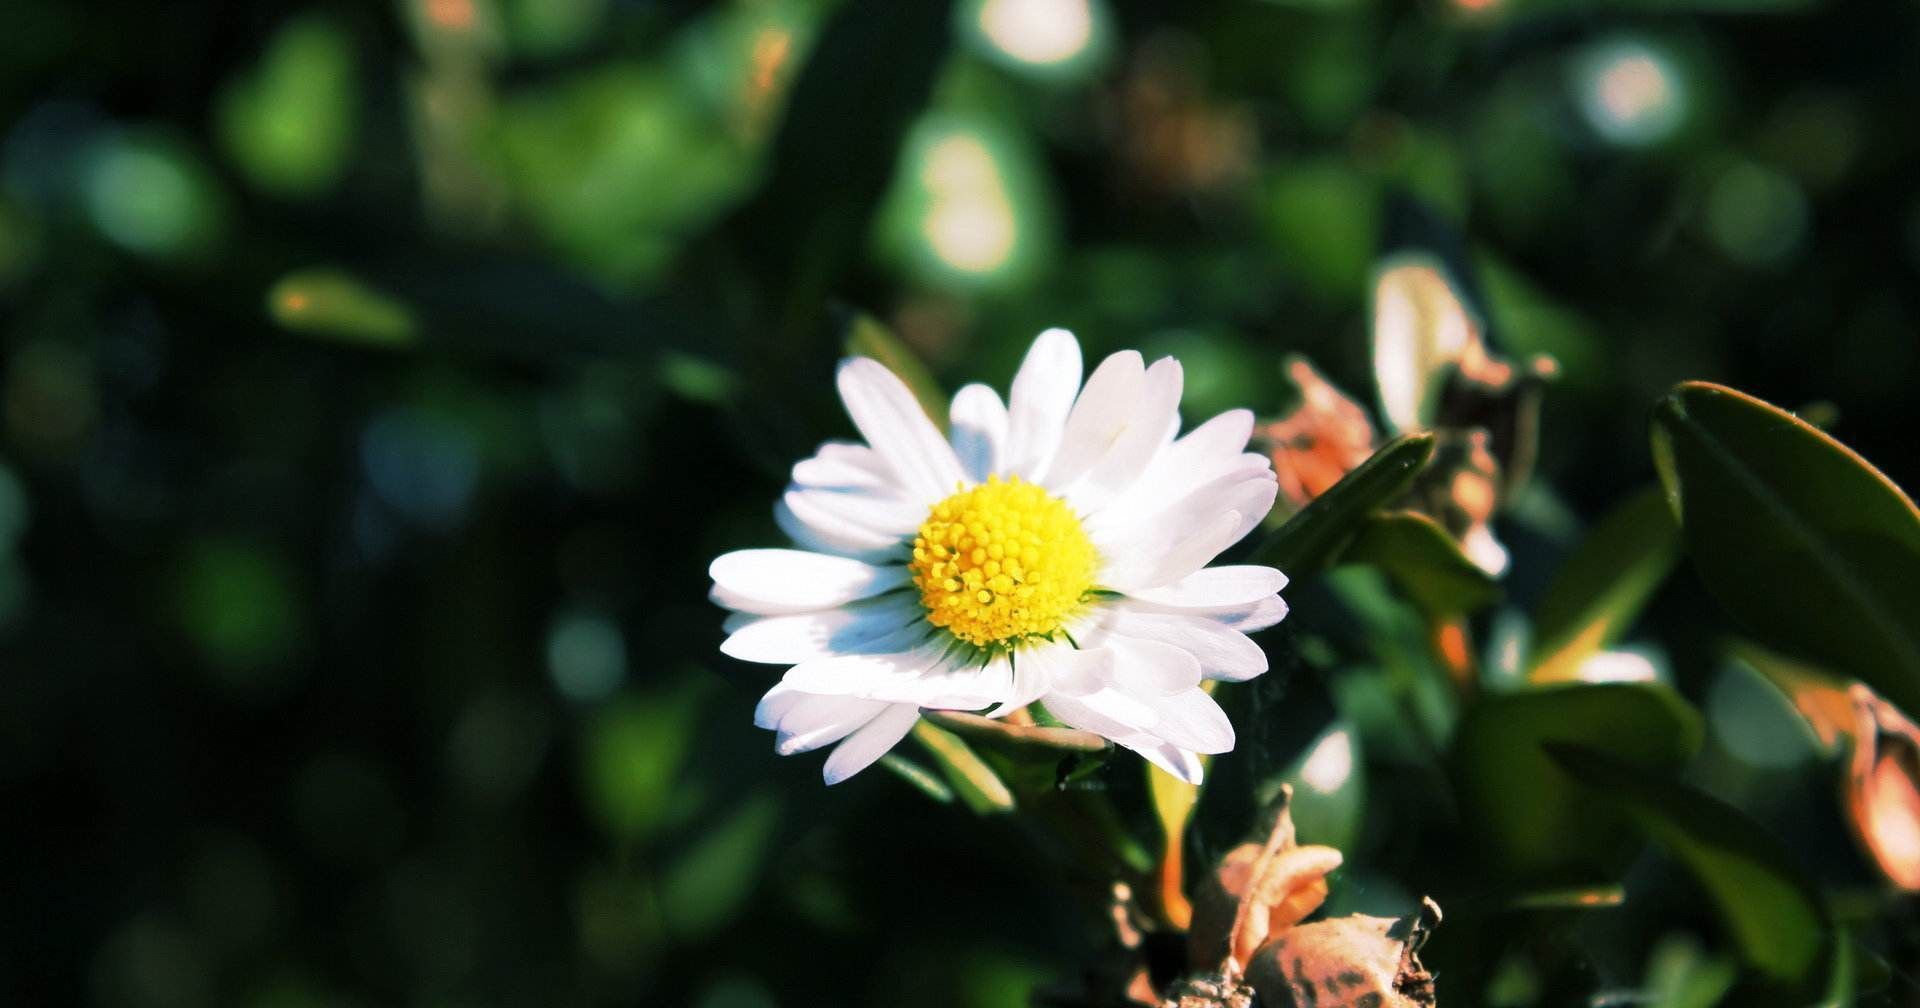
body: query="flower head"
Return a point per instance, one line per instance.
(1051, 549)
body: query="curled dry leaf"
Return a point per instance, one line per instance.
(1257, 891)
(1882, 798)
(1348, 962)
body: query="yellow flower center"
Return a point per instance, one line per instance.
(1001, 561)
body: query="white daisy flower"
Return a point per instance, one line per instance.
(1053, 550)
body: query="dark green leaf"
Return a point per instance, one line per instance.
(1424, 562)
(867, 79)
(1808, 546)
(1603, 585)
(1534, 818)
(1776, 917)
(1311, 540)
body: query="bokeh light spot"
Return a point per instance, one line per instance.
(1038, 31)
(1631, 94)
(586, 656)
(1756, 215)
(969, 220)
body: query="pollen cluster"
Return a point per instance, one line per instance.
(1001, 561)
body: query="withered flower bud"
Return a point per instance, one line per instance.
(1461, 490)
(1481, 391)
(1882, 797)
(1348, 962)
(1257, 891)
(1325, 437)
(1216, 991)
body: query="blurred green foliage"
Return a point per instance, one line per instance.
(379, 377)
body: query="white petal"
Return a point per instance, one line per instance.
(1205, 453)
(1100, 415)
(807, 721)
(928, 675)
(1039, 401)
(1217, 587)
(1097, 717)
(1027, 670)
(771, 582)
(824, 530)
(1043, 667)
(1106, 713)
(1183, 538)
(1192, 720)
(1117, 528)
(1152, 562)
(1247, 618)
(879, 512)
(870, 743)
(1223, 653)
(978, 421)
(1150, 668)
(892, 421)
(1168, 757)
(842, 465)
(1259, 616)
(1151, 423)
(788, 640)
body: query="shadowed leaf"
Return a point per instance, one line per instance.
(1534, 818)
(1424, 562)
(1774, 915)
(1312, 539)
(1603, 585)
(1808, 546)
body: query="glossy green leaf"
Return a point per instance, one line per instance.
(866, 337)
(1535, 820)
(334, 304)
(1806, 544)
(1424, 562)
(1603, 585)
(1774, 915)
(976, 782)
(1312, 539)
